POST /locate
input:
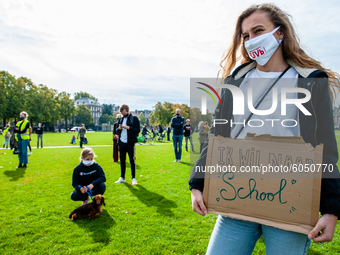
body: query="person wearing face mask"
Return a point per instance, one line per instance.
(270, 49)
(128, 130)
(23, 136)
(39, 132)
(177, 123)
(88, 174)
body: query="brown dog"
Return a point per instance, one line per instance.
(90, 210)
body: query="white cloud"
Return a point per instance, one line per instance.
(143, 51)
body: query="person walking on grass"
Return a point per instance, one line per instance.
(81, 134)
(7, 135)
(188, 130)
(23, 136)
(39, 131)
(177, 124)
(87, 175)
(128, 130)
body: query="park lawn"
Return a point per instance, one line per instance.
(36, 203)
(64, 139)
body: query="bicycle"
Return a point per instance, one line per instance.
(160, 137)
(148, 138)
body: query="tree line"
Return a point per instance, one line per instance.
(163, 112)
(46, 105)
(43, 104)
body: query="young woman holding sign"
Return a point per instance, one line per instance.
(270, 48)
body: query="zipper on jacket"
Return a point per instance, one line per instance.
(316, 121)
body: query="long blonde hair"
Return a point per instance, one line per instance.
(290, 46)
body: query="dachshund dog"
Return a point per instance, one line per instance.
(89, 210)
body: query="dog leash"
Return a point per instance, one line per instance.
(89, 191)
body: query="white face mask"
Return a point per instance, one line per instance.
(262, 48)
(88, 162)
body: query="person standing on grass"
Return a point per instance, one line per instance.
(144, 131)
(7, 135)
(115, 139)
(265, 43)
(177, 124)
(202, 134)
(39, 131)
(154, 131)
(29, 143)
(160, 129)
(88, 174)
(128, 130)
(23, 137)
(206, 127)
(188, 135)
(168, 131)
(81, 133)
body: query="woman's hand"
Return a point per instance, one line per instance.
(90, 186)
(197, 202)
(326, 224)
(83, 190)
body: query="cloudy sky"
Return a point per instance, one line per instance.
(140, 52)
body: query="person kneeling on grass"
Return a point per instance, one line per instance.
(87, 175)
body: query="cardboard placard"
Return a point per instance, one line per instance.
(287, 200)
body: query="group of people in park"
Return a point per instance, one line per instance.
(125, 133)
(88, 175)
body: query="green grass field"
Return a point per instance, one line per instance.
(154, 217)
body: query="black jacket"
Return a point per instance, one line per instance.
(144, 131)
(85, 175)
(133, 123)
(39, 130)
(177, 124)
(115, 126)
(315, 129)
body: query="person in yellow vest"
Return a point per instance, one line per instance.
(7, 136)
(23, 136)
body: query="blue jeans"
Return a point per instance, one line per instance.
(177, 141)
(22, 150)
(6, 142)
(238, 237)
(186, 143)
(39, 137)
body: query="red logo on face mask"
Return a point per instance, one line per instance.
(257, 52)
